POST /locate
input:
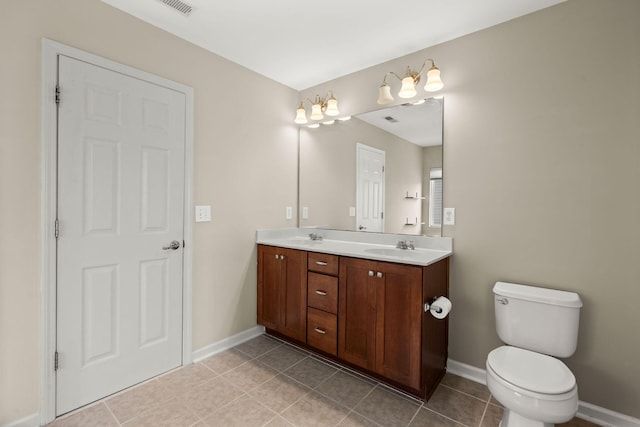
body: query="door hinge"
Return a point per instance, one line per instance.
(57, 228)
(381, 215)
(58, 94)
(184, 245)
(55, 361)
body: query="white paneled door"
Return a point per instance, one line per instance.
(369, 188)
(121, 150)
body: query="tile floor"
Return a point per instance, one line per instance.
(264, 382)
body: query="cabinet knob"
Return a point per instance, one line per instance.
(379, 274)
(320, 331)
(370, 272)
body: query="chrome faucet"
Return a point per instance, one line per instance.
(405, 244)
(315, 236)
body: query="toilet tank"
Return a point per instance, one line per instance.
(537, 319)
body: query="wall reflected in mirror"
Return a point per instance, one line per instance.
(397, 189)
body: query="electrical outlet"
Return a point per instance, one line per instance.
(289, 212)
(305, 212)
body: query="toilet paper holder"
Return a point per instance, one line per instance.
(427, 306)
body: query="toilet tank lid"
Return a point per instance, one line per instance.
(542, 295)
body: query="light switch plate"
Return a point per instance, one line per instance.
(352, 211)
(449, 216)
(203, 213)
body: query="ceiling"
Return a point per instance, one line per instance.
(302, 43)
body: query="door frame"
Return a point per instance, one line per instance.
(48, 199)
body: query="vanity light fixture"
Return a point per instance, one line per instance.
(319, 107)
(409, 82)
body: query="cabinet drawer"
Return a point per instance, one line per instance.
(323, 263)
(322, 292)
(322, 331)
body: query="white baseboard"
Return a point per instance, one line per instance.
(586, 411)
(32, 420)
(227, 343)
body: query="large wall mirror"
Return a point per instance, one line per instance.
(381, 171)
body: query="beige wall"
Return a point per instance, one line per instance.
(328, 175)
(245, 167)
(541, 162)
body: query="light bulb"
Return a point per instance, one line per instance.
(332, 107)
(384, 94)
(408, 89)
(434, 82)
(316, 112)
(301, 116)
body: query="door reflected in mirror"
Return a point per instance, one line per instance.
(398, 189)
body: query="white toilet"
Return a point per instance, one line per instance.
(536, 389)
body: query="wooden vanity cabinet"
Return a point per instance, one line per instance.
(282, 291)
(380, 319)
(366, 314)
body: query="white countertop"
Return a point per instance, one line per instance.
(373, 246)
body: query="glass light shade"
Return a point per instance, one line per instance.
(332, 107)
(316, 112)
(434, 82)
(329, 122)
(314, 125)
(301, 116)
(408, 89)
(384, 95)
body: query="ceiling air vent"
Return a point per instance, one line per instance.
(178, 5)
(391, 119)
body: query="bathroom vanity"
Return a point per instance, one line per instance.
(356, 299)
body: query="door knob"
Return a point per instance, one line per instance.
(362, 227)
(173, 245)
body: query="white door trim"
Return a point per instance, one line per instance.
(50, 52)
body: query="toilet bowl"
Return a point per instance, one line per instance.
(536, 390)
(538, 325)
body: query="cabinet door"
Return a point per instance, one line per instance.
(282, 291)
(399, 323)
(294, 309)
(270, 273)
(357, 312)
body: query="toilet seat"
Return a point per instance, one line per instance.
(536, 373)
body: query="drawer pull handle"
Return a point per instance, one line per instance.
(322, 263)
(323, 293)
(321, 331)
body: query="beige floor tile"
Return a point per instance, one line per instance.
(185, 378)
(283, 357)
(466, 386)
(95, 415)
(492, 416)
(171, 414)
(387, 408)
(278, 421)
(208, 397)
(136, 400)
(345, 388)
(356, 420)
(458, 406)
(250, 375)
(310, 372)
(258, 346)
(315, 410)
(279, 392)
(226, 361)
(242, 412)
(427, 418)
